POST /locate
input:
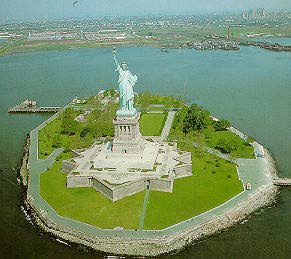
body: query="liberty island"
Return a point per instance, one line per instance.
(152, 184)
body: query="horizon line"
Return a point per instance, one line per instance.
(206, 13)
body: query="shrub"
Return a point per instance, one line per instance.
(195, 119)
(250, 140)
(221, 125)
(84, 132)
(57, 141)
(226, 145)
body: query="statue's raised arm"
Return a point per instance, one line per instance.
(114, 51)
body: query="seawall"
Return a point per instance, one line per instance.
(152, 246)
(24, 168)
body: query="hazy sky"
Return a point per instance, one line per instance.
(31, 9)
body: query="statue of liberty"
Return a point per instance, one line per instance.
(126, 83)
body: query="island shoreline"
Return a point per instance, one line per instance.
(159, 245)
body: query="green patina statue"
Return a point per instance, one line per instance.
(126, 83)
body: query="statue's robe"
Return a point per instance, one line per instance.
(126, 82)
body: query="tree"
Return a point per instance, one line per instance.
(57, 141)
(85, 132)
(226, 145)
(195, 119)
(68, 125)
(221, 125)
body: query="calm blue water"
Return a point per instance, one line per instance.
(251, 88)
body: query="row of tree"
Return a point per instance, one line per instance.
(196, 119)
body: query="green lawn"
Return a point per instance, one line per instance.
(152, 124)
(156, 108)
(214, 181)
(244, 150)
(65, 132)
(50, 134)
(87, 205)
(210, 138)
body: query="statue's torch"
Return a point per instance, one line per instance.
(114, 51)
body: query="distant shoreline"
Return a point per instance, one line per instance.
(43, 46)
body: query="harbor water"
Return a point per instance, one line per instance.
(250, 87)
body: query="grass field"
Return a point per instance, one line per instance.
(87, 205)
(65, 132)
(48, 135)
(244, 150)
(152, 124)
(214, 181)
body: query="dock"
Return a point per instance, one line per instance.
(28, 106)
(282, 181)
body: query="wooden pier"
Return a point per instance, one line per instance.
(282, 181)
(28, 106)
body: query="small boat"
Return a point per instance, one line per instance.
(164, 50)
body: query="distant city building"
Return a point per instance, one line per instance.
(262, 13)
(44, 35)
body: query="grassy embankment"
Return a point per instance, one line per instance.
(44, 45)
(8, 47)
(214, 180)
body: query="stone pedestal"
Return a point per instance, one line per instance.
(127, 137)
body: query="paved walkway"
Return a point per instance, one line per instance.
(144, 209)
(238, 133)
(216, 153)
(168, 125)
